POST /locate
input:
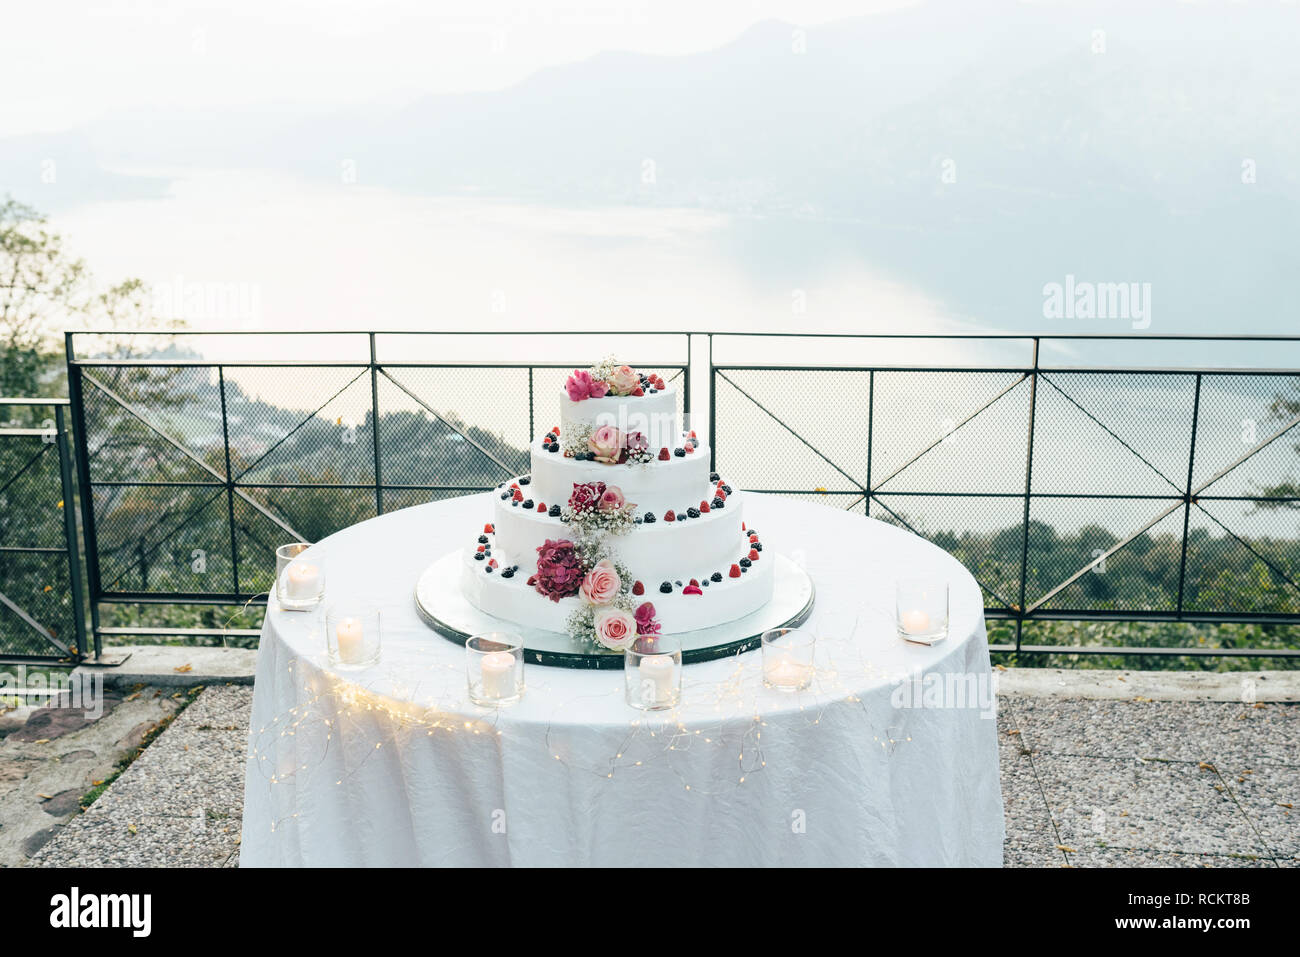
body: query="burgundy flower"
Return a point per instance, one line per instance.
(645, 619)
(559, 572)
(586, 496)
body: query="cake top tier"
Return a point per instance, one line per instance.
(654, 415)
(608, 394)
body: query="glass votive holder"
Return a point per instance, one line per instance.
(352, 636)
(494, 668)
(652, 672)
(921, 610)
(299, 579)
(788, 658)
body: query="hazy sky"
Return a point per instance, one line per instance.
(66, 62)
(1122, 163)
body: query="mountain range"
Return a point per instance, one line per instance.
(970, 148)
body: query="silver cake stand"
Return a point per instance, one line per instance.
(442, 606)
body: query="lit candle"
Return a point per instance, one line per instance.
(301, 581)
(499, 675)
(351, 641)
(915, 622)
(784, 672)
(657, 673)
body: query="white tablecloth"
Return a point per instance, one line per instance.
(878, 764)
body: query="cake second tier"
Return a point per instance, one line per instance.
(679, 481)
(663, 549)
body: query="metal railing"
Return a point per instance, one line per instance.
(42, 613)
(1028, 570)
(1072, 491)
(195, 470)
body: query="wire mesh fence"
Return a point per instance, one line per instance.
(1070, 495)
(1081, 494)
(196, 470)
(41, 601)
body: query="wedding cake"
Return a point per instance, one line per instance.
(620, 527)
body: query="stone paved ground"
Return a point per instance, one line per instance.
(1089, 783)
(1150, 783)
(178, 804)
(51, 756)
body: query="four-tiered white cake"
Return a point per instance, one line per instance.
(619, 511)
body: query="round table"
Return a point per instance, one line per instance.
(890, 758)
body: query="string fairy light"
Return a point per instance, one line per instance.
(333, 714)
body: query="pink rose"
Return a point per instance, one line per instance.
(624, 380)
(635, 442)
(579, 385)
(645, 619)
(606, 444)
(615, 628)
(611, 500)
(602, 583)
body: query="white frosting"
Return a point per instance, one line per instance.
(513, 599)
(678, 482)
(663, 550)
(652, 553)
(653, 415)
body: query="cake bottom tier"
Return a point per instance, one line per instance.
(513, 599)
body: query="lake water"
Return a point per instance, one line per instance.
(349, 257)
(253, 251)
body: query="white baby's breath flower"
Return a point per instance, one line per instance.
(604, 369)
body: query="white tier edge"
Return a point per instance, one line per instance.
(679, 482)
(662, 550)
(512, 599)
(654, 416)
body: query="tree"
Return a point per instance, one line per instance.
(41, 286)
(43, 289)
(1284, 408)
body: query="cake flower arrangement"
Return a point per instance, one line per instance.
(595, 507)
(591, 531)
(608, 377)
(608, 613)
(607, 445)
